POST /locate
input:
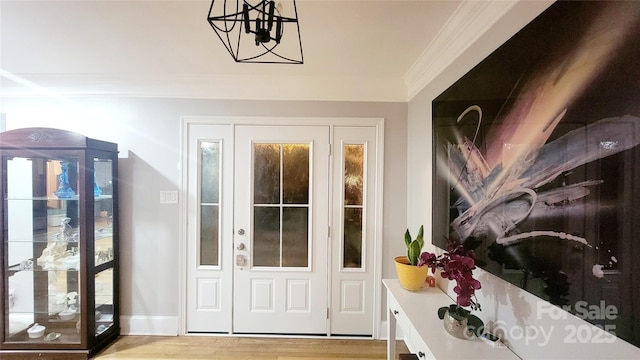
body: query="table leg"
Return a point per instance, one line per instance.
(391, 335)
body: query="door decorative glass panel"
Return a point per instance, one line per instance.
(281, 205)
(209, 203)
(353, 205)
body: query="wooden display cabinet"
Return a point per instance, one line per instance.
(59, 292)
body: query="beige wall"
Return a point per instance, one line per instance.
(148, 133)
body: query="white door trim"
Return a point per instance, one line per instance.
(187, 121)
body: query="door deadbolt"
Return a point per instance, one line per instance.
(241, 232)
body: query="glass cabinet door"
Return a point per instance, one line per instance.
(42, 247)
(103, 244)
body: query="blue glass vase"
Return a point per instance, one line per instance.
(64, 189)
(96, 189)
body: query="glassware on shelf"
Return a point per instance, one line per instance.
(64, 188)
(96, 189)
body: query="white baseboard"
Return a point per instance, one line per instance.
(149, 325)
(168, 326)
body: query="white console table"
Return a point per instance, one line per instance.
(416, 312)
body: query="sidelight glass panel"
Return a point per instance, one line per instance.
(295, 173)
(352, 237)
(295, 236)
(266, 236)
(266, 168)
(210, 202)
(353, 174)
(209, 235)
(281, 205)
(210, 167)
(353, 205)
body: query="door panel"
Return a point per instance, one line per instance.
(281, 222)
(354, 203)
(209, 267)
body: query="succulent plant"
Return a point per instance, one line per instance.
(414, 247)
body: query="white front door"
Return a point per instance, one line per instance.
(281, 216)
(283, 225)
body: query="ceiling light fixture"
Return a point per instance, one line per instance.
(260, 33)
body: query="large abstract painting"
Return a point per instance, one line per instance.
(537, 163)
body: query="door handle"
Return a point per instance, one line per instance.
(240, 246)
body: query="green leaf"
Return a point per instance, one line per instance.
(420, 237)
(414, 252)
(475, 325)
(462, 311)
(407, 238)
(442, 311)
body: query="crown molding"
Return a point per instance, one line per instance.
(470, 21)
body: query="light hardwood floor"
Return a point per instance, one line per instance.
(243, 348)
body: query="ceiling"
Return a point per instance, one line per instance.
(353, 50)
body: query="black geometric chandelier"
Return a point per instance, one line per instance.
(262, 32)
